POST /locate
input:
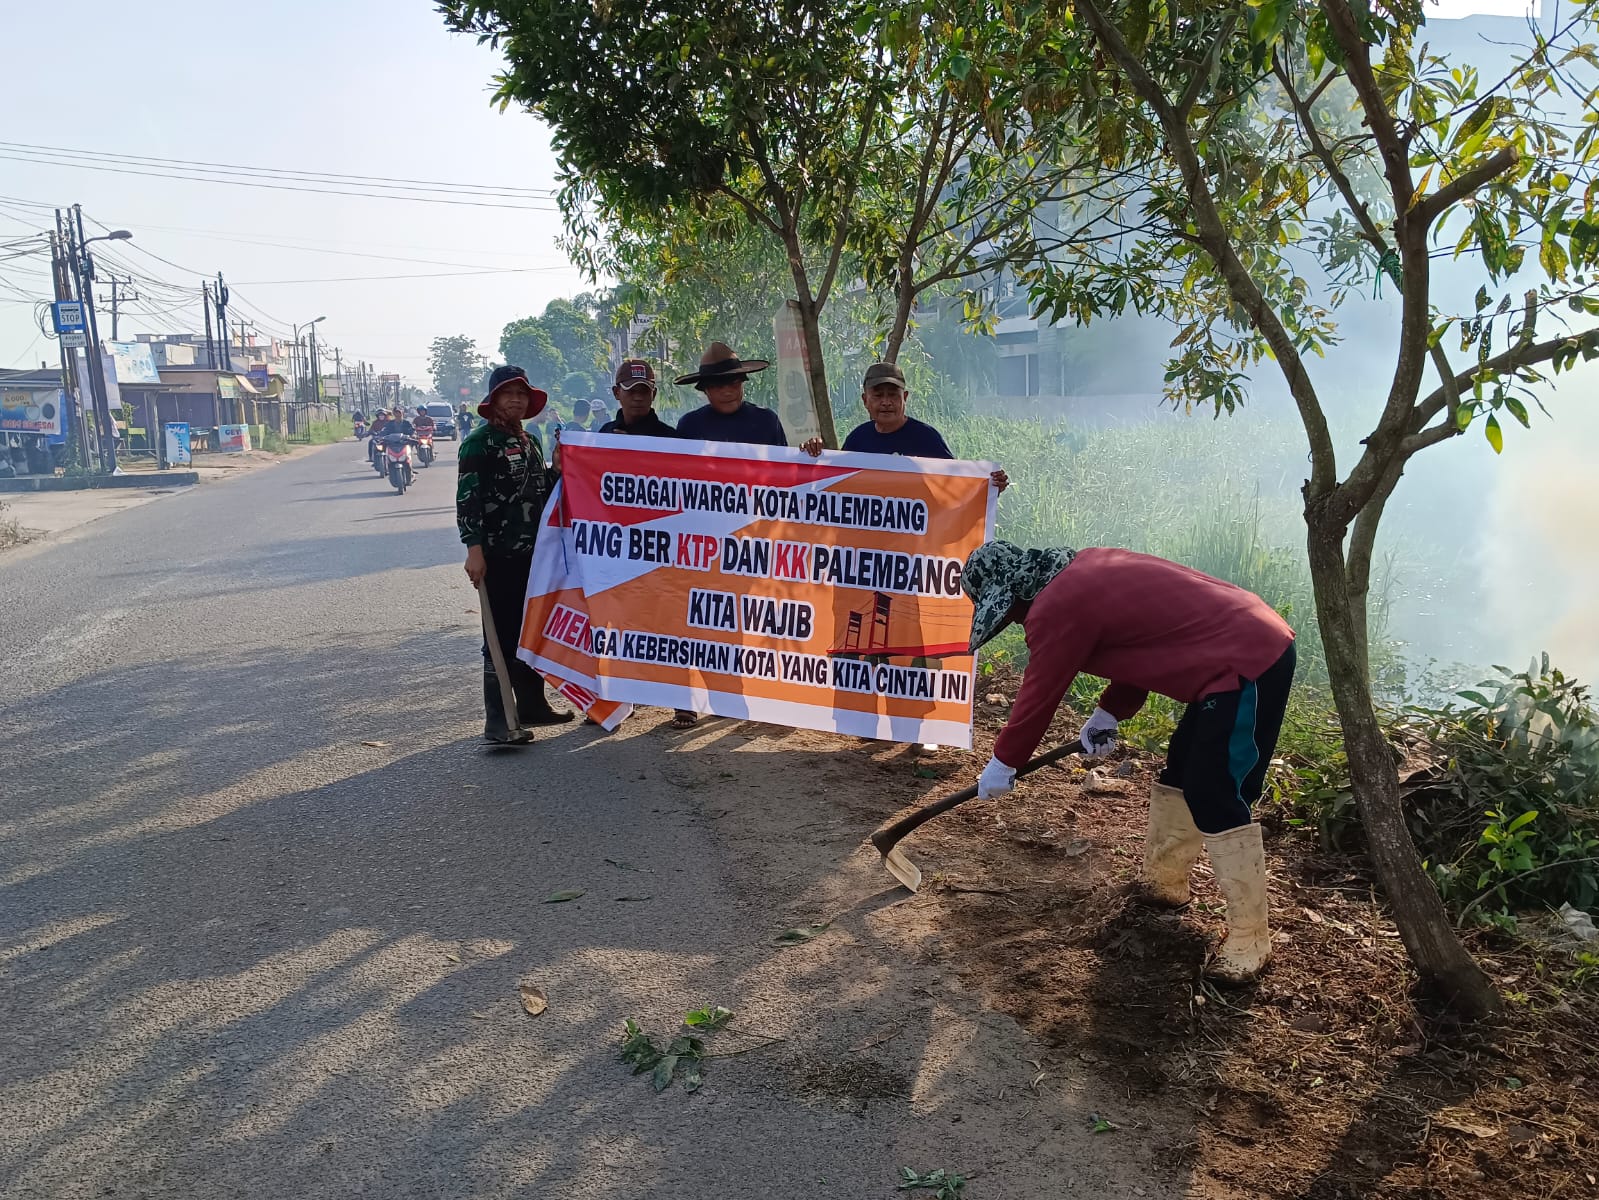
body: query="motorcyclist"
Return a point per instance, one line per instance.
(380, 419)
(422, 422)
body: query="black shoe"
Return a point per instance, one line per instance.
(496, 730)
(532, 707)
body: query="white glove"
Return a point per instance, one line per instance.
(1099, 734)
(996, 779)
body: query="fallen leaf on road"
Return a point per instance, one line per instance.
(621, 866)
(1100, 1124)
(563, 897)
(534, 1001)
(374, 743)
(453, 957)
(632, 899)
(801, 933)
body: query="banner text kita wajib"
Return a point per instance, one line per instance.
(759, 583)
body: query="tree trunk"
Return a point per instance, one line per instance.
(810, 328)
(1436, 952)
(904, 303)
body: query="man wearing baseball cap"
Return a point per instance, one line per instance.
(891, 429)
(634, 390)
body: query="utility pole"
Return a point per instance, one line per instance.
(96, 368)
(338, 373)
(210, 346)
(222, 322)
(316, 371)
(117, 296)
(61, 277)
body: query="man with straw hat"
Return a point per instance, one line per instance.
(1149, 625)
(725, 416)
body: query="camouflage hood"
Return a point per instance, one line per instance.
(1000, 575)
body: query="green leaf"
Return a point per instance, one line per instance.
(960, 66)
(1100, 1124)
(692, 1077)
(1462, 418)
(1525, 819)
(1482, 298)
(563, 897)
(1518, 410)
(662, 1078)
(708, 1018)
(1496, 438)
(801, 933)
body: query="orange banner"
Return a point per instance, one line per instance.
(757, 582)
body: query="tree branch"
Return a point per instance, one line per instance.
(1218, 244)
(1517, 357)
(1429, 208)
(1335, 170)
(1196, 85)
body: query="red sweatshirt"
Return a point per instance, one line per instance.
(1145, 624)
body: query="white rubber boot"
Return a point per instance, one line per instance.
(1171, 846)
(1239, 860)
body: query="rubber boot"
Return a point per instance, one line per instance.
(532, 706)
(496, 728)
(1239, 861)
(1171, 846)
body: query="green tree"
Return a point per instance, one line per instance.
(454, 363)
(527, 344)
(1305, 151)
(576, 335)
(770, 107)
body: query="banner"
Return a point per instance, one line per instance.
(759, 583)
(133, 362)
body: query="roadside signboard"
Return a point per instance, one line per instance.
(68, 317)
(35, 412)
(75, 339)
(134, 362)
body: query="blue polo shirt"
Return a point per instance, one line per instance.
(751, 424)
(914, 439)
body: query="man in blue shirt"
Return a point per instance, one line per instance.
(891, 430)
(725, 416)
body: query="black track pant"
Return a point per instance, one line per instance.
(1223, 745)
(506, 584)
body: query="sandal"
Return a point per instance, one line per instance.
(684, 718)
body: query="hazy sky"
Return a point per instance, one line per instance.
(363, 87)
(368, 87)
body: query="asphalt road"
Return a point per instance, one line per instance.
(266, 903)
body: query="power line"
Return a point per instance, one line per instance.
(425, 275)
(276, 187)
(509, 191)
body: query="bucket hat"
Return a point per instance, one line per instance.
(504, 375)
(998, 575)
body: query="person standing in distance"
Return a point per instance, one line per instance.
(726, 416)
(499, 499)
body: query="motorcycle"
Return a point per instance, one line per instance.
(397, 458)
(424, 449)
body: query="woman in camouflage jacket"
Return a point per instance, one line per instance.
(498, 501)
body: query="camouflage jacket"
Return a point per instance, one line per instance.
(501, 491)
